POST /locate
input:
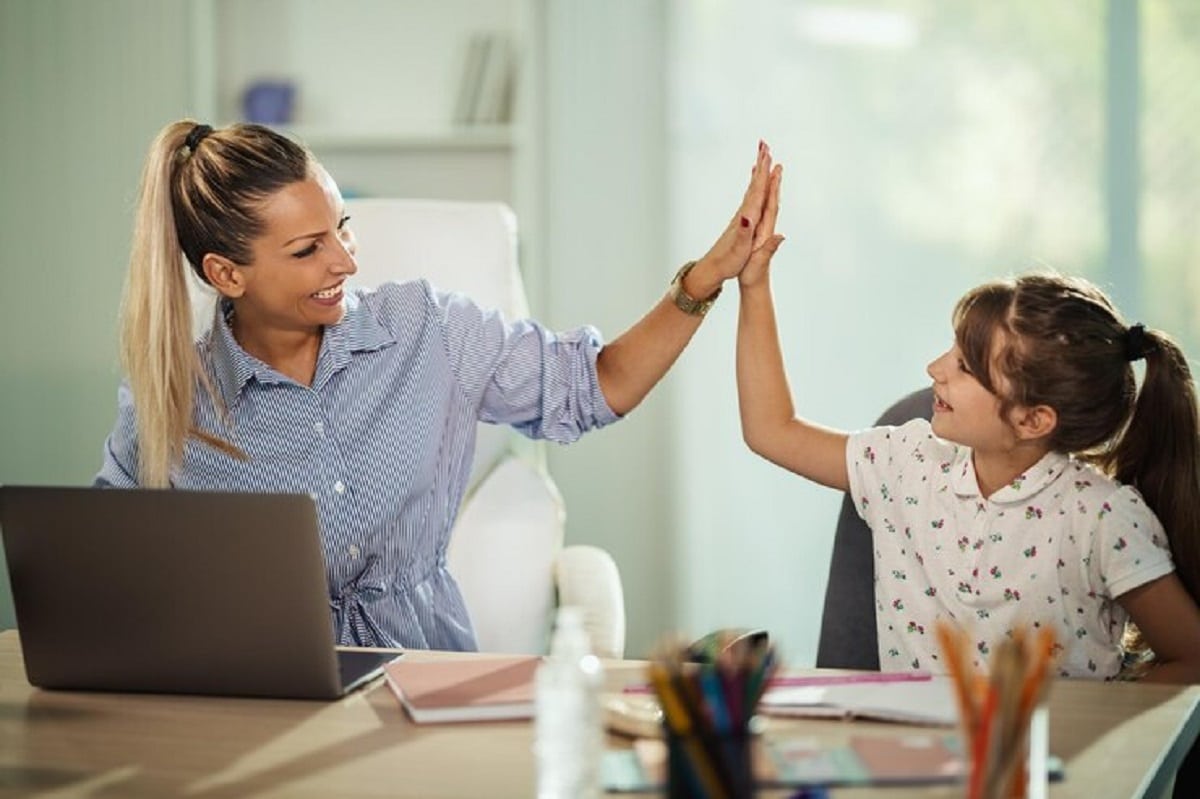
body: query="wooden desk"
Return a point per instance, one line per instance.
(1117, 740)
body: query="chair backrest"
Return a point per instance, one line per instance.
(848, 636)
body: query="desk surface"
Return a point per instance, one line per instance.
(1117, 740)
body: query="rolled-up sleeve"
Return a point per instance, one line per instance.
(119, 465)
(519, 373)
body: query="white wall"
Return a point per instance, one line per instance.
(604, 262)
(84, 87)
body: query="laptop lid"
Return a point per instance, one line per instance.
(173, 592)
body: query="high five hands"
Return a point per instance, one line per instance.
(766, 240)
(745, 247)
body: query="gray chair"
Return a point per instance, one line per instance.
(848, 639)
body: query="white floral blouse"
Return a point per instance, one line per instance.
(1056, 547)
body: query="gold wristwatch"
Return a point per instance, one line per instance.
(684, 301)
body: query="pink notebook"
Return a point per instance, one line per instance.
(487, 688)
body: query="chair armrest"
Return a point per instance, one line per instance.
(587, 577)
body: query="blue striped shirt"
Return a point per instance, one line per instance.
(383, 440)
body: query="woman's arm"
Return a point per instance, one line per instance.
(1169, 620)
(119, 468)
(769, 423)
(630, 365)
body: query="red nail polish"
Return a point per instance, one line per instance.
(745, 222)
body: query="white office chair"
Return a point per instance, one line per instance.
(506, 550)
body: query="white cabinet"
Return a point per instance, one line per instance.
(375, 81)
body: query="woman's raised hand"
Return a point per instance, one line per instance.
(751, 231)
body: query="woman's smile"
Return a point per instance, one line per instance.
(330, 296)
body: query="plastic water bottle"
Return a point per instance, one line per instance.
(568, 726)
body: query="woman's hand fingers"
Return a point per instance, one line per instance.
(755, 197)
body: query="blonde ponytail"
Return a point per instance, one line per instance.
(157, 351)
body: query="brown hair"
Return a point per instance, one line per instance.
(1063, 344)
(201, 192)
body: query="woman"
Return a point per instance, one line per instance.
(367, 400)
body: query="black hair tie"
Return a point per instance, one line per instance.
(1137, 346)
(196, 136)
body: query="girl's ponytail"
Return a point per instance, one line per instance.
(1159, 450)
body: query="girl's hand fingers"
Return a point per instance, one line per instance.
(759, 262)
(765, 253)
(766, 228)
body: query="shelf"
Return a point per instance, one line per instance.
(476, 137)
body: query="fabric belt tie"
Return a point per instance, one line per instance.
(354, 621)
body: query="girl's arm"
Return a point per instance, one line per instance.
(769, 423)
(1169, 620)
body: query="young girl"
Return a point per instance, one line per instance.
(1032, 496)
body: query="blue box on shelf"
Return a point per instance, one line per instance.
(269, 102)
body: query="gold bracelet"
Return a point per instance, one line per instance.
(684, 301)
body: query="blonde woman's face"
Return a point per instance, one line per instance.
(301, 261)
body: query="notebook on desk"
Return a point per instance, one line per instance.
(174, 592)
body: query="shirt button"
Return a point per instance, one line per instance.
(339, 487)
(320, 428)
(354, 550)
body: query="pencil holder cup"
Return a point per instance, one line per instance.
(709, 716)
(1002, 714)
(707, 766)
(1022, 773)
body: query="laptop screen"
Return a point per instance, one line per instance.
(170, 591)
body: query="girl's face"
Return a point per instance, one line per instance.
(963, 410)
(301, 261)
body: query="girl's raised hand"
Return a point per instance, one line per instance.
(745, 234)
(766, 240)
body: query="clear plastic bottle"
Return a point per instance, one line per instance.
(568, 725)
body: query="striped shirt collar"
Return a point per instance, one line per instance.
(358, 331)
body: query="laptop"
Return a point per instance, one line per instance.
(192, 592)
